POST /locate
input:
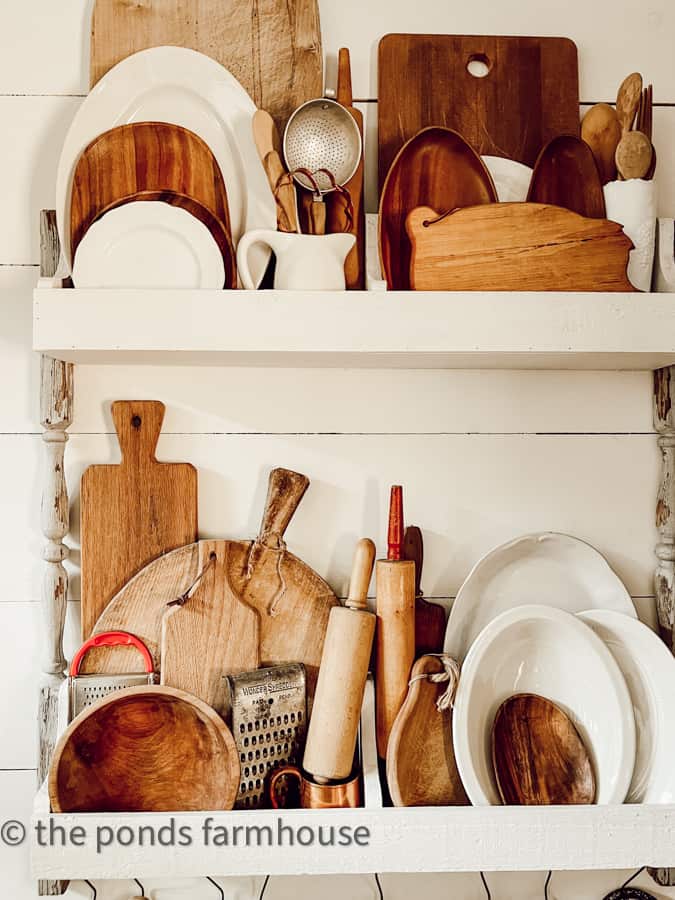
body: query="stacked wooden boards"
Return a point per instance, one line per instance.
(290, 601)
(273, 48)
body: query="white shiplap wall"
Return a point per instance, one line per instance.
(484, 456)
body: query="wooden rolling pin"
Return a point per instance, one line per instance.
(331, 739)
(395, 592)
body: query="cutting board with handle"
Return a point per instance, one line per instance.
(293, 602)
(421, 768)
(272, 47)
(516, 247)
(210, 633)
(338, 218)
(528, 92)
(429, 617)
(133, 512)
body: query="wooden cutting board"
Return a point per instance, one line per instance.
(421, 768)
(517, 247)
(133, 512)
(272, 47)
(211, 634)
(292, 601)
(529, 95)
(436, 168)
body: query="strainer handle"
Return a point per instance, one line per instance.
(112, 639)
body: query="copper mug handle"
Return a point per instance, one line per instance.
(293, 771)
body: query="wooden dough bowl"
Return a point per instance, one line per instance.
(145, 749)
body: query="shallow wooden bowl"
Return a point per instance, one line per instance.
(142, 161)
(145, 749)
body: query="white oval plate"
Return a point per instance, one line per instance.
(148, 245)
(545, 651)
(511, 178)
(648, 667)
(186, 88)
(547, 568)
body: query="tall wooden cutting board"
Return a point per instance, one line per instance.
(271, 46)
(133, 512)
(529, 95)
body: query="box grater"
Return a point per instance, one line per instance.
(83, 690)
(269, 724)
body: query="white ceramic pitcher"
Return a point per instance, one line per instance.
(305, 262)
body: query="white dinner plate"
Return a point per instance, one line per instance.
(545, 651)
(511, 178)
(148, 245)
(187, 88)
(546, 568)
(649, 669)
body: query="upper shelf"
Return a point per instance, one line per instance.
(357, 329)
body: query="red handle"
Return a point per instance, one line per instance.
(111, 639)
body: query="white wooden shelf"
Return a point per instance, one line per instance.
(400, 840)
(430, 839)
(357, 329)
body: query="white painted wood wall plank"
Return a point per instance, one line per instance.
(468, 493)
(49, 46)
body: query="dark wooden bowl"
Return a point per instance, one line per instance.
(145, 749)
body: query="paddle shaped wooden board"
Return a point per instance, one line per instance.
(211, 634)
(293, 602)
(529, 92)
(516, 247)
(133, 512)
(272, 47)
(421, 768)
(436, 168)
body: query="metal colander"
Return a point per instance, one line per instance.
(321, 134)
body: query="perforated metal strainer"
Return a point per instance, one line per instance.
(321, 134)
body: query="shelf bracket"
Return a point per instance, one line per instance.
(56, 413)
(664, 576)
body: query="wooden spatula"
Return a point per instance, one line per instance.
(338, 220)
(429, 617)
(134, 512)
(538, 755)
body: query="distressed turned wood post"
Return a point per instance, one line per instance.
(664, 577)
(56, 412)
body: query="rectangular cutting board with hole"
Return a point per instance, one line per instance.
(529, 94)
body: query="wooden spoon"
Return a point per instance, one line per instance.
(538, 755)
(268, 145)
(627, 100)
(601, 130)
(567, 175)
(634, 155)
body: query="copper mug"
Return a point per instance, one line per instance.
(340, 795)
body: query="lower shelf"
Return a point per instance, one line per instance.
(349, 841)
(364, 840)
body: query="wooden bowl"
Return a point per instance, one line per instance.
(143, 161)
(145, 749)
